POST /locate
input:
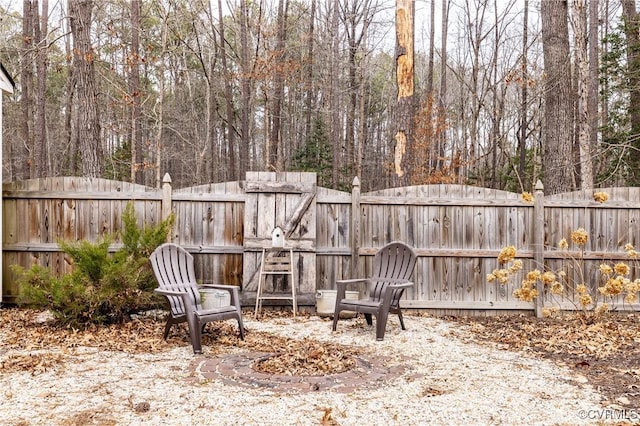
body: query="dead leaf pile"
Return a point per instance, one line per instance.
(308, 357)
(22, 330)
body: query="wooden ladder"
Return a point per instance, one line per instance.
(276, 261)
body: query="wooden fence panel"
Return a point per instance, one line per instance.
(209, 224)
(40, 212)
(456, 230)
(609, 226)
(333, 237)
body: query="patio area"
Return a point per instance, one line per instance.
(432, 373)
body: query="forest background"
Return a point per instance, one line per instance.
(495, 93)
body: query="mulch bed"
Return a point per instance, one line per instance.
(30, 330)
(606, 351)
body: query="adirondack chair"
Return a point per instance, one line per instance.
(392, 267)
(173, 269)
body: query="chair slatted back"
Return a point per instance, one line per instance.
(173, 268)
(392, 263)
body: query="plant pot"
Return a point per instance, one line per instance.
(326, 303)
(212, 298)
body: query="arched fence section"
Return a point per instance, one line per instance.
(457, 231)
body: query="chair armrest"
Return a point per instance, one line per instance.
(344, 283)
(169, 292)
(186, 300)
(405, 284)
(388, 291)
(220, 286)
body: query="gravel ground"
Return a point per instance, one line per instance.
(447, 380)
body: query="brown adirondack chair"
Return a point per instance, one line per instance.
(392, 267)
(173, 268)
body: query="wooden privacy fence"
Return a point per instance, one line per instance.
(457, 232)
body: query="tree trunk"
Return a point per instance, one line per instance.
(159, 113)
(498, 106)
(579, 16)
(26, 99)
(558, 164)
(69, 139)
(334, 91)
(276, 161)
(593, 83)
(229, 122)
(349, 142)
(432, 32)
(309, 76)
(430, 109)
(405, 86)
(632, 28)
(137, 148)
(87, 119)
(40, 27)
(522, 137)
(442, 111)
(245, 88)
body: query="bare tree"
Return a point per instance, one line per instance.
(309, 83)
(137, 147)
(40, 29)
(632, 28)
(558, 107)
(524, 119)
(276, 160)
(230, 118)
(159, 108)
(357, 17)
(405, 86)
(27, 101)
(593, 83)
(86, 111)
(334, 89)
(246, 83)
(442, 95)
(579, 20)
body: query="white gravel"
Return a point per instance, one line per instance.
(449, 381)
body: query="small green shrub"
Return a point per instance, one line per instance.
(103, 288)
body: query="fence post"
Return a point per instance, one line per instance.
(538, 242)
(355, 227)
(166, 200)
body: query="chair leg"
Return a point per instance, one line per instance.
(171, 320)
(381, 325)
(401, 320)
(336, 316)
(369, 319)
(241, 327)
(167, 328)
(195, 335)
